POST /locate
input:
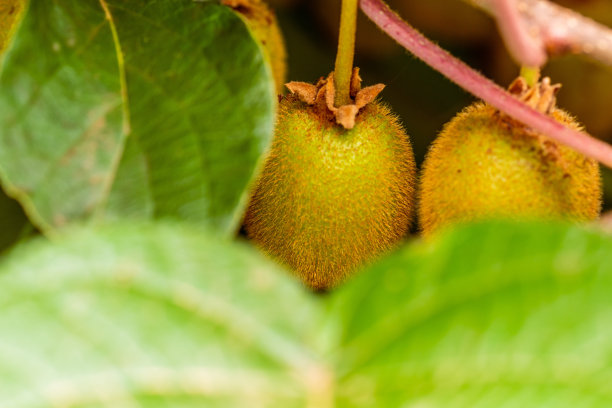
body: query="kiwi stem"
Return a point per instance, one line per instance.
(526, 49)
(531, 75)
(474, 82)
(346, 52)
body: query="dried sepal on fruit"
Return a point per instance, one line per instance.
(325, 92)
(332, 197)
(261, 20)
(485, 164)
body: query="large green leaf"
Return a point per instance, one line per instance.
(489, 316)
(494, 315)
(151, 316)
(133, 108)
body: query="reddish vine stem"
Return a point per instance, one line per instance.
(551, 28)
(526, 48)
(482, 87)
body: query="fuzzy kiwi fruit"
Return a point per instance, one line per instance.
(487, 165)
(331, 198)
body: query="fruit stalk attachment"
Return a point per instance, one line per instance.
(324, 93)
(531, 75)
(539, 95)
(346, 52)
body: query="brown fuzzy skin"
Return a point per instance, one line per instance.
(328, 199)
(261, 20)
(485, 165)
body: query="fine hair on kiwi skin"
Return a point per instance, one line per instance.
(330, 200)
(486, 165)
(338, 184)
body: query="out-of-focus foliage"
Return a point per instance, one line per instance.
(486, 316)
(140, 315)
(152, 316)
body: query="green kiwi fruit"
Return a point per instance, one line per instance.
(261, 20)
(331, 198)
(487, 165)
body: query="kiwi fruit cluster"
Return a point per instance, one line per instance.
(338, 186)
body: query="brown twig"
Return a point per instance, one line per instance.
(552, 28)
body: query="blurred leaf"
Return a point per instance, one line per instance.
(133, 108)
(493, 315)
(489, 316)
(151, 316)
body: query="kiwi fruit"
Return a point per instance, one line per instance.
(261, 20)
(338, 185)
(486, 165)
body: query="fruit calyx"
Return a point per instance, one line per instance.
(541, 97)
(322, 94)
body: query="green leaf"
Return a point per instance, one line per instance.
(155, 316)
(133, 109)
(493, 315)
